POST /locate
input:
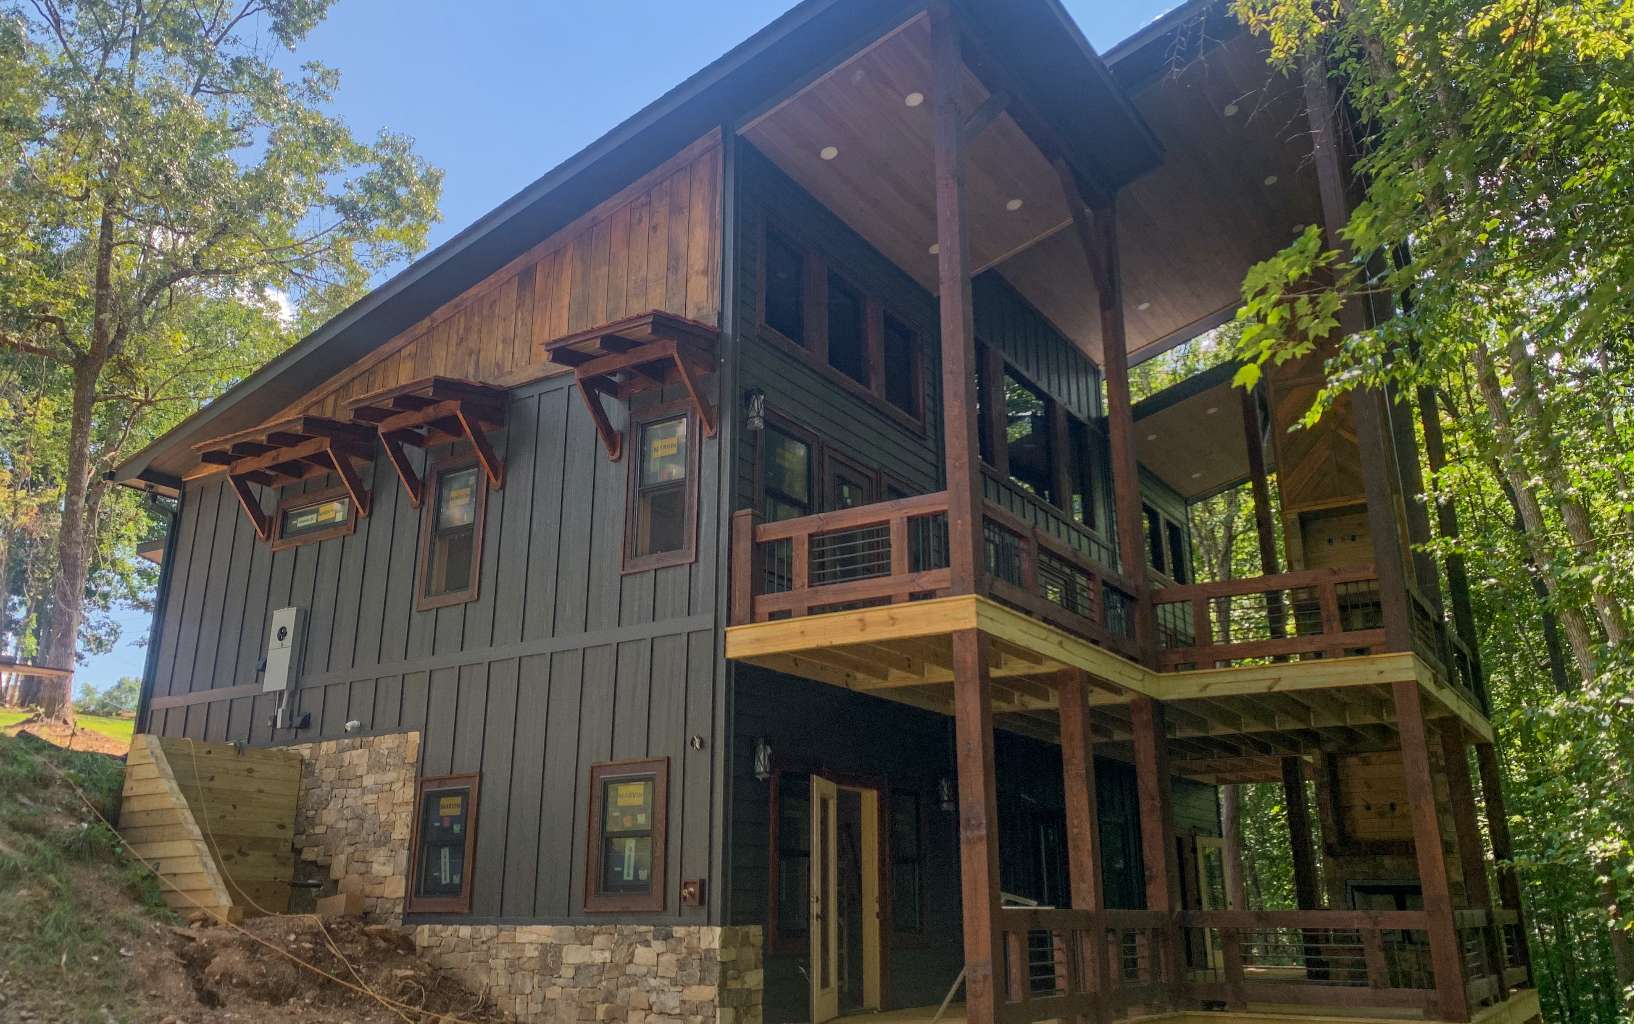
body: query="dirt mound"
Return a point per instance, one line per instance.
(233, 976)
(59, 735)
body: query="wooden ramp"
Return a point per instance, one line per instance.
(216, 822)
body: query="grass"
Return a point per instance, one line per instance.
(76, 904)
(114, 728)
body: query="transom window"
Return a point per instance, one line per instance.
(306, 518)
(628, 836)
(452, 536)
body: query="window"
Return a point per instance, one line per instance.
(790, 881)
(905, 895)
(452, 528)
(305, 518)
(626, 862)
(1153, 539)
(787, 467)
(661, 509)
(902, 368)
(1030, 452)
(848, 484)
(1175, 552)
(783, 286)
(1084, 494)
(845, 330)
(443, 844)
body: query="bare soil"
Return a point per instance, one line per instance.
(59, 735)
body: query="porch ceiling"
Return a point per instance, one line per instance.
(1234, 183)
(1224, 724)
(1191, 435)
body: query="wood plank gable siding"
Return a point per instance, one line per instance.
(562, 661)
(656, 244)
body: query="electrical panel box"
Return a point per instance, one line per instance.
(284, 650)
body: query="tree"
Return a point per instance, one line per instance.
(172, 190)
(118, 699)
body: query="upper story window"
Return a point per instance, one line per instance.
(627, 836)
(1153, 539)
(848, 484)
(452, 536)
(1030, 448)
(305, 518)
(783, 286)
(788, 465)
(1084, 493)
(1176, 555)
(902, 368)
(442, 846)
(845, 330)
(661, 509)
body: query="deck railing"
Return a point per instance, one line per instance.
(1307, 614)
(900, 551)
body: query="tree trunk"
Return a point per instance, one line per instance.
(1537, 538)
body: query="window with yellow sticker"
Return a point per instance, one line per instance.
(661, 521)
(628, 836)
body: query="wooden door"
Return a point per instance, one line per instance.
(823, 958)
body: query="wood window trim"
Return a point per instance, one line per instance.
(429, 512)
(290, 502)
(796, 433)
(655, 899)
(813, 346)
(832, 461)
(463, 904)
(631, 563)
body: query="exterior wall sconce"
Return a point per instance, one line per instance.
(948, 799)
(762, 756)
(754, 409)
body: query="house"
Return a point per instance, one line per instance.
(733, 580)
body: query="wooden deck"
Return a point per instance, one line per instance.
(1225, 724)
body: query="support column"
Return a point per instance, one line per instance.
(1446, 956)
(977, 831)
(1460, 793)
(1150, 764)
(1503, 845)
(1263, 516)
(1235, 884)
(1095, 225)
(1306, 884)
(1366, 404)
(1082, 828)
(958, 396)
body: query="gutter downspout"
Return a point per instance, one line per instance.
(150, 665)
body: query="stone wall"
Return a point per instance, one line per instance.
(353, 820)
(625, 973)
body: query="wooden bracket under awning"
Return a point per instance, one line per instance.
(290, 451)
(430, 411)
(625, 357)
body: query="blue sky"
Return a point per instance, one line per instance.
(498, 93)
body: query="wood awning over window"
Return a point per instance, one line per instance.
(625, 357)
(287, 452)
(431, 411)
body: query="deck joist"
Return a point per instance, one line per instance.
(1225, 724)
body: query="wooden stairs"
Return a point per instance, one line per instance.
(215, 821)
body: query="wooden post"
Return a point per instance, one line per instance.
(1235, 886)
(1366, 404)
(1305, 883)
(956, 308)
(1263, 517)
(741, 548)
(1460, 794)
(1161, 867)
(977, 818)
(1082, 830)
(1446, 956)
(1446, 521)
(1503, 846)
(1096, 230)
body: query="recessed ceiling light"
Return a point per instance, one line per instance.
(1297, 228)
(934, 250)
(1141, 307)
(829, 153)
(1212, 409)
(913, 99)
(1197, 475)
(1150, 437)
(1271, 180)
(1014, 204)
(1230, 110)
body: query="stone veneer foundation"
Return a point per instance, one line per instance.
(628, 973)
(353, 820)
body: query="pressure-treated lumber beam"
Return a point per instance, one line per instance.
(977, 827)
(1155, 785)
(1087, 881)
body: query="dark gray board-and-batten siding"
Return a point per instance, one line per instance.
(561, 662)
